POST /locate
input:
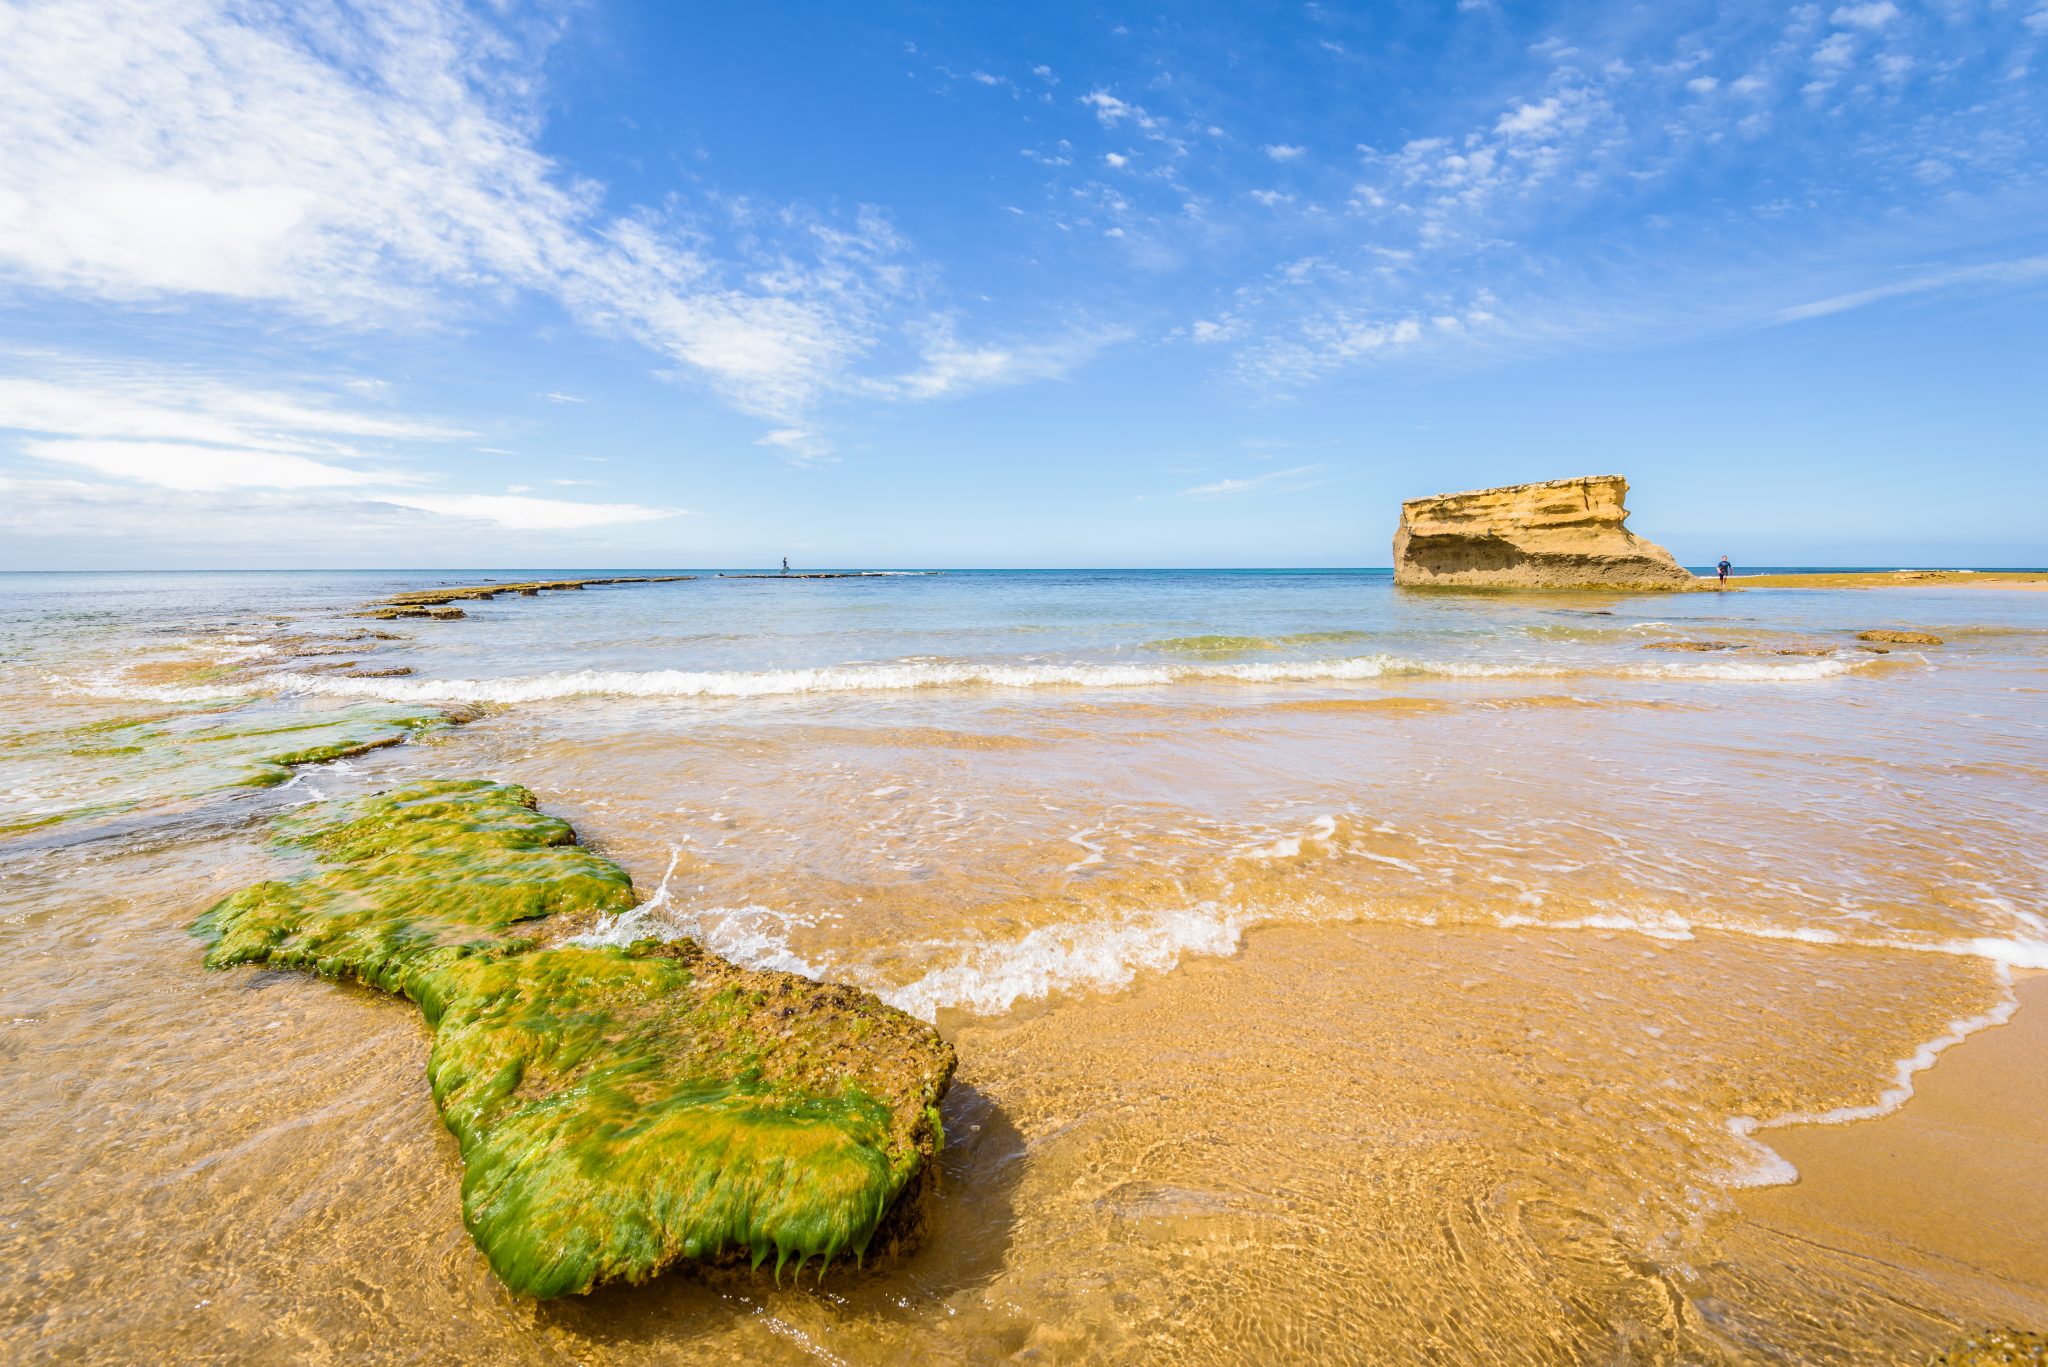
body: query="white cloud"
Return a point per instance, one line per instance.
(1528, 119)
(553, 397)
(1340, 336)
(524, 514)
(203, 469)
(2024, 270)
(1111, 111)
(1703, 85)
(46, 522)
(96, 399)
(801, 444)
(1273, 481)
(950, 367)
(179, 430)
(1116, 159)
(1108, 108)
(1839, 49)
(1281, 151)
(1875, 15)
(376, 167)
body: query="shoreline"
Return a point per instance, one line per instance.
(2020, 580)
(1945, 1189)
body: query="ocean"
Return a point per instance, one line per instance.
(1336, 971)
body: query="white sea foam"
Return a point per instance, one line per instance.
(987, 977)
(990, 977)
(914, 675)
(752, 936)
(1657, 926)
(1289, 846)
(1094, 848)
(1771, 1168)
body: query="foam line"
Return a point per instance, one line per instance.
(911, 676)
(1774, 1169)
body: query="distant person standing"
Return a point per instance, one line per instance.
(1721, 569)
(785, 567)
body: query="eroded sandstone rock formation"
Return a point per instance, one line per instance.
(1560, 534)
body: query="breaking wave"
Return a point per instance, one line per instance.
(991, 975)
(910, 676)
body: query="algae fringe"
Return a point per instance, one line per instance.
(119, 764)
(618, 1109)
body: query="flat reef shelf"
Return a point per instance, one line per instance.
(618, 1109)
(440, 604)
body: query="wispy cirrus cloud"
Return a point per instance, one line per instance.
(948, 367)
(1271, 482)
(50, 521)
(202, 469)
(523, 513)
(156, 428)
(80, 396)
(375, 165)
(1576, 182)
(2023, 271)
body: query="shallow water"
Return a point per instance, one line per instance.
(1337, 972)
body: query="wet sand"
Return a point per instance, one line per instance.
(1893, 579)
(1948, 1189)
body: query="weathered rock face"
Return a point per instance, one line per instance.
(1561, 534)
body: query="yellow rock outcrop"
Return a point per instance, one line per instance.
(1560, 534)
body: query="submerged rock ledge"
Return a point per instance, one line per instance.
(1560, 534)
(618, 1109)
(439, 604)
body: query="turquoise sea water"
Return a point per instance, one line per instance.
(1079, 628)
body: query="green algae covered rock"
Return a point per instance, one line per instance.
(618, 1109)
(412, 880)
(178, 756)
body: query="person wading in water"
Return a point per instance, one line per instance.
(1721, 569)
(785, 567)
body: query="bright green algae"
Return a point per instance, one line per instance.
(120, 764)
(617, 1109)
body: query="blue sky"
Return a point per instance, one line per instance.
(426, 284)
